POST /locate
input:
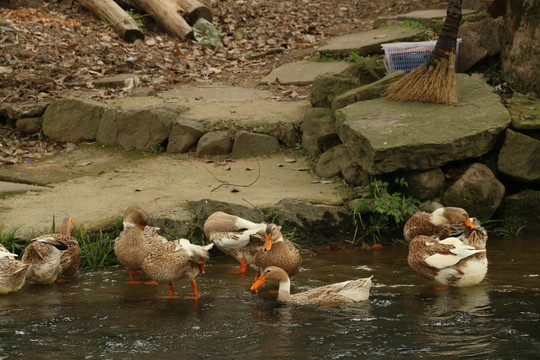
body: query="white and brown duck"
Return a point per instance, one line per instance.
(12, 272)
(44, 255)
(459, 262)
(442, 223)
(71, 257)
(176, 260)
(235, 236)
(135, 242)
(278, 251)
(343, 292)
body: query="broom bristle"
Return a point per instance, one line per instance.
(433, 85)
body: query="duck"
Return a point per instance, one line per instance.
(235, 236)
(70, 260)
(176, 260)
(43, 255)
(442, 223)
(278, 251)
(136, 241)
(454, 262)
(343, 292)
(12, 272)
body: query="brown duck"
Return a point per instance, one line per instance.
(71, 257)
(12, 272)
(442, 223)
(279, 252)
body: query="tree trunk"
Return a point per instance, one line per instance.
(520, 60)
(124, 24)
(194, 10)
(168, 14)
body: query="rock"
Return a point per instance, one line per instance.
(326, 87)
(142, 91)
(474, 4)
(366, 70)
(354, 174)
(424, 17)
(525, 112)
(72, 120)
(429, 206)
(31, 125)
(366, 92)
(519, 157)
(477, 191)
(141, 128)
(318, 131)
(251, 145)
(303, 72)
(522, 208)
(15, 112)
(425, 184)
(332, 162)
(367, 42)
(215, 143)
(383, 136)
(116, 81)
(315, 224)
(184, 134)
(206, 207)
(480, 40)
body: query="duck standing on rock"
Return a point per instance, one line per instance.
(43, 255)
(278, 251)
(135, 242)
(237, 237)
(176, 260)
(460, 262)
(442, 223)
(343, 292)
(12, 272)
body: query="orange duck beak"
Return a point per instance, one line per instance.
(268, 242)
(257, 284)
(469, 223)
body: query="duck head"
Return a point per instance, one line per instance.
(66, 227)
(135, 216)
(451, 215)
(198, 254)
(272, 234)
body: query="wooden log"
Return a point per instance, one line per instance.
(194, 10)
(168, 14)
(123, 24)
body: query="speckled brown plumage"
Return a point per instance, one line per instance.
(423, 247)
(71, 257)
(422, 223)
(12, 272)
(43, 255)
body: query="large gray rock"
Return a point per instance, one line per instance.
(143, 128)
(184, 135)
(315, 224)
(519, 157)
(318, 130)
(215, 143)
(480, 40)
(478, 191)
(383, 136)
(303, 72)
(332, 162)
(72, 120)
(425, 184)
(326, 87)
(424, 17)
(525, 112)
(19, 111)
(251, 145)
(29, 125)
(522, 208)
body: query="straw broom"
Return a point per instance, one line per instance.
(435, 80)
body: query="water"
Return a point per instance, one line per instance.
(98, 316)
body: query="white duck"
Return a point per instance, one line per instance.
(12, 272)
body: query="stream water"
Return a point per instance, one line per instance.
(98, 316)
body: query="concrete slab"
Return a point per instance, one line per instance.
(303, 72)
(11, 187)
(424, 17)
(367, 42)
(163, 184)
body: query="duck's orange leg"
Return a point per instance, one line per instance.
(171, 294)
(132, 281)
(196, 296)
(242, 269)
(58, 280)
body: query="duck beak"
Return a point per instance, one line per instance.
(201, 266)
(73, 222)
(268, 242)
(141, 227)
(257, 284)
(469, 223)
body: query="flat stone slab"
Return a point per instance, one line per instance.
(303, 72)
(11, 187)
(367, 42)
(162, 184)
(424, 17)
(384, 136)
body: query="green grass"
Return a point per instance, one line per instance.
(408, 24)
(507, 229)
(97, 249)
(7, 238)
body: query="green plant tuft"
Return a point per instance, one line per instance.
(97, 250)
(507, 229)
(7, 238)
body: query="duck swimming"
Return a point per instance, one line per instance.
(343, 292)
(235, 236)
(12, 272)
(442, 223)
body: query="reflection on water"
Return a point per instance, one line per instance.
(98, 316)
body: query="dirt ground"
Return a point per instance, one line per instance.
(57, 48)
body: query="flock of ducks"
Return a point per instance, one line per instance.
(445, 246)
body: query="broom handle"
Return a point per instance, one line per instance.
(448, 36)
